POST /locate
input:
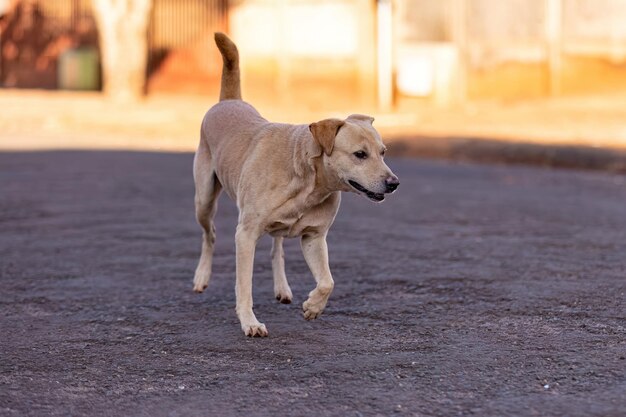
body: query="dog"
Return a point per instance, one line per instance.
(287, 182)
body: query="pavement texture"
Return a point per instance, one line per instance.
(586, 132)
(473, 290)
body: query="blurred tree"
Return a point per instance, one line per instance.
(123, 27)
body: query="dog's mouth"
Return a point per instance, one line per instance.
(370, 194)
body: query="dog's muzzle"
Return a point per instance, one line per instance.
(370, 194)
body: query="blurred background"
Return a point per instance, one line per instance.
(140, 74)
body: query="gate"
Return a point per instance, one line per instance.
(182, 56)
(180, 41)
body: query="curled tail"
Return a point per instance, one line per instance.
(231, 87)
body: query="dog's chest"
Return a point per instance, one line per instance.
(290, 226)
(299, 219)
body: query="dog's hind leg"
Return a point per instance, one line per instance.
(208, 189)
(281, 286)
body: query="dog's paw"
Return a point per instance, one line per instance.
(200, 282)
(284, 297)
(255, 330)
(311, 310)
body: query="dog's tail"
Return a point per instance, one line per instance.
(231, 86)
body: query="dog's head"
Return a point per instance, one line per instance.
(353, 152)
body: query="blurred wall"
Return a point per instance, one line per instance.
(506, 49)
(444, 52)
(322, 54)
(315, 52)
(594, 46)
(509, 49)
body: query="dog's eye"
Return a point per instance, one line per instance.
(382, 153)
(360, 154)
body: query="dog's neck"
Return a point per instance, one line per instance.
(309, 162)
(327, 182)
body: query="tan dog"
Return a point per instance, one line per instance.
(286, 180)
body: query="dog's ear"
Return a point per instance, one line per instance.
(324, 133)
(363, 117)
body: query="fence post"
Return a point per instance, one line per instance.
(384, 24)
(553, 44)
(459, 37)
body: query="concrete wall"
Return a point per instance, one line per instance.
(514, 48)
(319, 54)
(322, 54)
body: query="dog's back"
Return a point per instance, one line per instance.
(227, 130)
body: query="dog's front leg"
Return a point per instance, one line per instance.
(315, 253)
(245, 241)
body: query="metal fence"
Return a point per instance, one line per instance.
(185, 24)
(175, 25)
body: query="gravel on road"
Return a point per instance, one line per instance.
(474, 290)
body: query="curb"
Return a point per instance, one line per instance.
(483, 150)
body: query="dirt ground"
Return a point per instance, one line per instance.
(474, 290)
(38, 120)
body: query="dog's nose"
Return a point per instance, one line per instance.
(392, 183)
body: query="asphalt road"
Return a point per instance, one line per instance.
(474, 290)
